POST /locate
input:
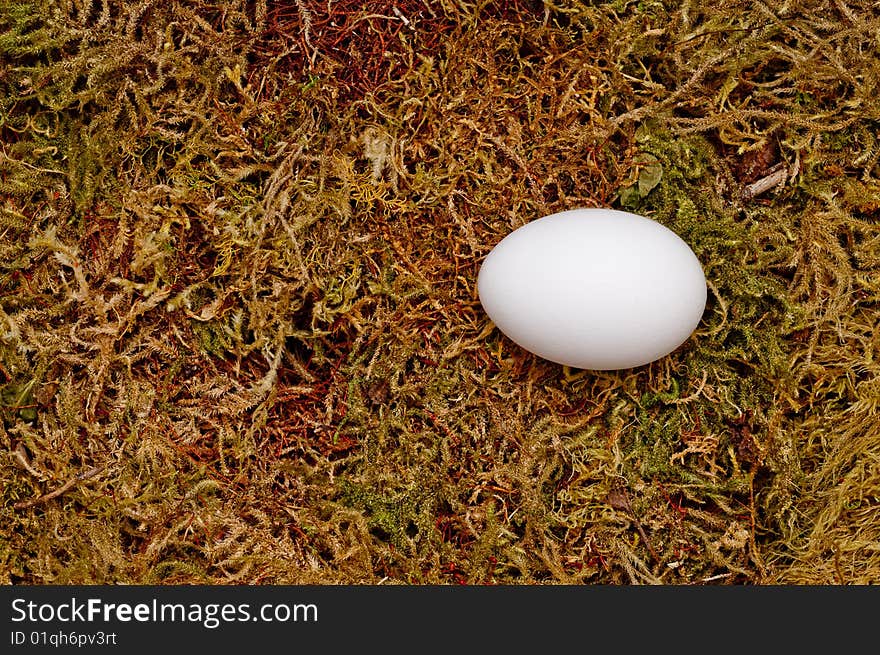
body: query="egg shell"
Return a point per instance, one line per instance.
(596, 289)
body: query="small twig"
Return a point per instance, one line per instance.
(777, 175)
(64, 488)
(400, 15)
(619, 499)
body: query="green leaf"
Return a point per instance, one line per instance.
(650, 175)
(629, 197)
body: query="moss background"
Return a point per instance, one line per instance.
(240, 340)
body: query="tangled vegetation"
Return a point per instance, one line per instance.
(240, 340)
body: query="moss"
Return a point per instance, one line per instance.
(240, 329)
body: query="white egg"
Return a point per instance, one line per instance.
(596, 289)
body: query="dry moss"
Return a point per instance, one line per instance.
(240, 334)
